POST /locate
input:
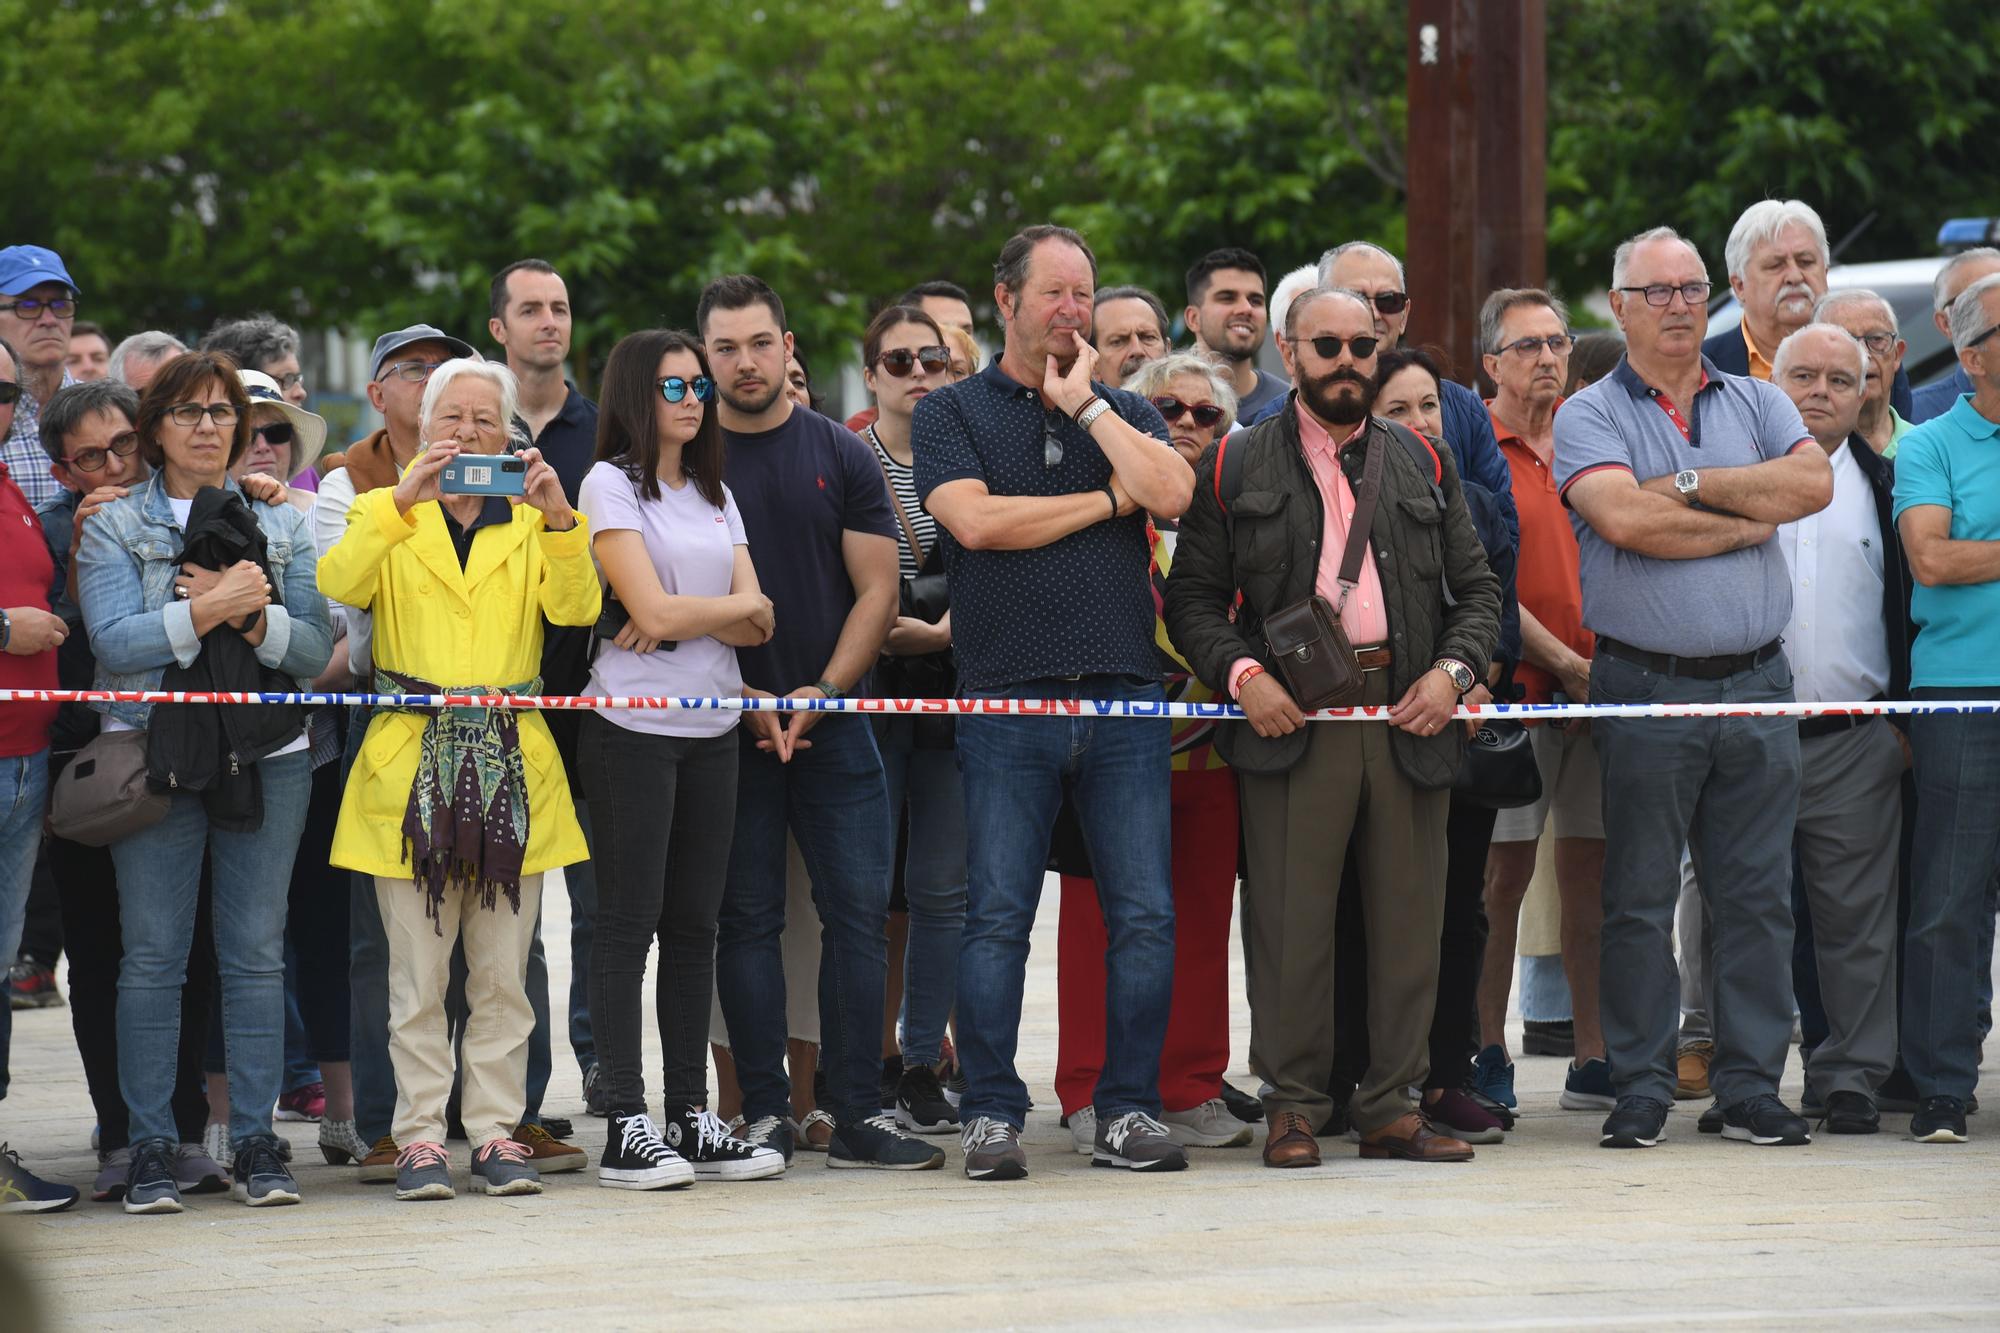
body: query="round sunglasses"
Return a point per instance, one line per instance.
(1173, 409)
(899, 363)
(674, 388)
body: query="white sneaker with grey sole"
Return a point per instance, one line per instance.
(1209, 1125)
(1083, 1131)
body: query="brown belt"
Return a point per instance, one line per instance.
(1372, 659)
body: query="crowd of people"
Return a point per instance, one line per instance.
(334, 914)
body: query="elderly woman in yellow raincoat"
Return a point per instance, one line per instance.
(458, 812)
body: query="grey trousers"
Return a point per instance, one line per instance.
(1850, 822)
(1728, 789)
(1691, 929)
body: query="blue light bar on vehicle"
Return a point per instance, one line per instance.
(1963, 233)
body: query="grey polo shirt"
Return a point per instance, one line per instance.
(1710, 607)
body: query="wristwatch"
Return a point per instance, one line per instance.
(828, 688)
(1688, 482)
(1461, 674)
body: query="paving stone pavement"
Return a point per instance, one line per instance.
(1545, 1230)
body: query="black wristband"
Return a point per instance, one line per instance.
(1077, 415)
(1112, 496)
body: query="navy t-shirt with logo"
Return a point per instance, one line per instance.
(1082, 605)
(799, 488)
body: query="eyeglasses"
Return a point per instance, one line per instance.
(1173, 409)
(1557, 343)
(1984, 336)
(27, 308)
(410, 372)
(1390, 303)
(189, 414)
(1328, 348)
(674, 388)
(1878, 344)
(1662, 293)
(10, 392)
(125, 443)
(274, 432)
(291, 381)
(899, 363)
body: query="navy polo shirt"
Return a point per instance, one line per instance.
(1079, 606)
(569, 442)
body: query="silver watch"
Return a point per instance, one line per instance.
(1688, 482)
(1461, 674)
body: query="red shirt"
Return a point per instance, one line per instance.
(1546, 578)
(25, 574)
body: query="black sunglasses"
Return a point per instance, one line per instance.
(934, 360)
(1173, 409)
(1328, 348)
(10, 392)
(125, 443)
(1984, 336)
(674, 388)
(274, 432)
(1390, 303)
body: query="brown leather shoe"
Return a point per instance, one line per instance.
(379, 1166)
(1410, 1138)
(547, 1153)
(1691, 1070)
(1290, 1141)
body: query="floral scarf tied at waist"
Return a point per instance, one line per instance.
(468, 814)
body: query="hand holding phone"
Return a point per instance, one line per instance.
(485, 474)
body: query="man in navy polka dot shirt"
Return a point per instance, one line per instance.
(1041, 480)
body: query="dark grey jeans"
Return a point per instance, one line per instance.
(1728, 790)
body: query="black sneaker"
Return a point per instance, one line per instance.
(149, 1184)
(1939, 1120)
(1851, 1113)
(1711, 1119)
(701, 1137)
(635, 1157)
(259, 1177)
(1248, 1109)
(22, 1191)
(1639, 1122)
(879, 1143)
(892, 1080)
(1766, 1122)
(558, 1126)
(596, 1101)
(773, 1132)
(921, 1105)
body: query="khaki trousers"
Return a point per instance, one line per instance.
(1296, 829)
(495, 1048)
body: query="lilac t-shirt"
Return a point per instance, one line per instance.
(693, 545)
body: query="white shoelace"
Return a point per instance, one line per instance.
(758, 1132)
(1132, 1122)
(986, 1132)
(887, 1124)
(711, 1133)
(638, 1136)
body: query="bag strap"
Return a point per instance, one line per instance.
(1364, 519)
(917, 553)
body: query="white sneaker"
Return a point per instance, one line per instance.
(1209, 1125)
(215, 1142)
(1083, 1131)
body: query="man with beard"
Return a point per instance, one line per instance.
(1226, 314)
(1042, 479)
(1307, 792)
(815, 507)
(1128, 327)
(1777, 258)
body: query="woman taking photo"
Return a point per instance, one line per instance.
(904, 357)
(662, 782)
(156, 622)
(458, 812)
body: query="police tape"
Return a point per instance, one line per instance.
(989, 707)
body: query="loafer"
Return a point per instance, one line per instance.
(1289, 1141)
(1546, 1037)
(1691, 1071)
(1410, 1138)
(1851, 1113)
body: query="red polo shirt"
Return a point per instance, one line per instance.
(1546, 579)
(25, 574)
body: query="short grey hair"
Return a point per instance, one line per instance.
(1941, 297)
(494, 372)
(151, 347)
(252, 343)
(1332, 257)
(1621, 259)
(73, 404)
(1782, 357)
(1499, 303)
(1132, 293)
(1968, 312)
(1762, 221)
(1311, 294)
(1154, 377)
(1299, 279)
(1832, 301)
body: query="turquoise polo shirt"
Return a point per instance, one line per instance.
(1954, 460)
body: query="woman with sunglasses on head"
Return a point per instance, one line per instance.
(147, 615)
(1199, 404)
(905, 357)
(662, 783)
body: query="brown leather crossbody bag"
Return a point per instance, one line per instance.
(1305, 639)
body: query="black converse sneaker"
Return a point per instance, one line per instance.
(713, 1151)
(636, 1159)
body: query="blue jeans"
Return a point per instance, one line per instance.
(933, 880)
(834, 800)
(159, 878)
(301, 1070)
(24, 799)
(1957, 845)
(1116, 771)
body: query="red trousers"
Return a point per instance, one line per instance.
(1197, 1045)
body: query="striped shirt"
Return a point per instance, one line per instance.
(903, 486)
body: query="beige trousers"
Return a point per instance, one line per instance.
(495, 1050)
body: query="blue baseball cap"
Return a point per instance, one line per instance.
(24, 266)
(389, 344)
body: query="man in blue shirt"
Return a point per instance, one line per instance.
(1948, 511)
(1959, 272)
(1042, 480)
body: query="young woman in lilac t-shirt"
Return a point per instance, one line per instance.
(662, 783)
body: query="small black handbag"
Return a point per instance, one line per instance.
(1499, 769)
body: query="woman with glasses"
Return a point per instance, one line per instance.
(147, 613)
(905, 357)
(1199, 403)
(662, 783)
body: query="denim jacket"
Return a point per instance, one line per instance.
(125, 581)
